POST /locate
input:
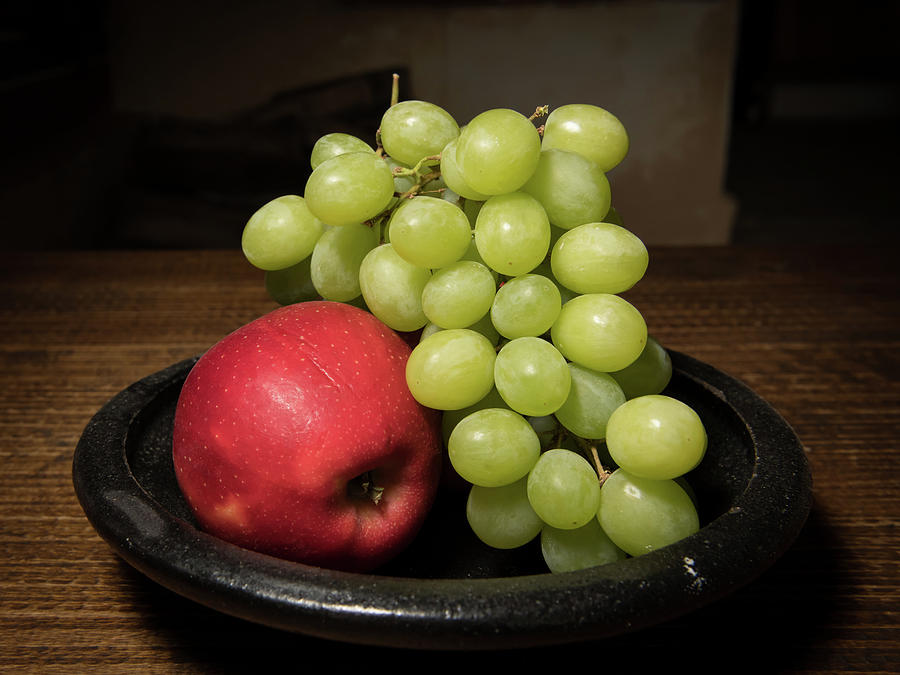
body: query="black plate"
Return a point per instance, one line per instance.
(448, 591)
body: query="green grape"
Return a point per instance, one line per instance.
(472, 208)
(656, 436)
(641, 515)
(563, 489)
(592, 399)
(525, 306)
(336, 259)
(452, 174)
(493, 447)
(545, 270)
(451, 369)
(334, 144)
(649, 373)
(599, 258)
(483, 326)
(600, 331)
(588, 130)
(392, 288)
(450, 418)
(512, 233)
(532, 376)
(572, 189)
(578, 549)
(502, 517)
(350, 189)
(458, 295)
(280, 233)
(498, 151)
(429, 232)
(413, 130)
(291, 284)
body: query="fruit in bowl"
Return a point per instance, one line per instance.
(493, 247)
(297, 436)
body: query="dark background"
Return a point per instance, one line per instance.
(812, 152)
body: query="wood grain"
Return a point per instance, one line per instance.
(815, 331)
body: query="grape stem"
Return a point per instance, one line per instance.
(395, 89)
(602, 473)
(540, 111)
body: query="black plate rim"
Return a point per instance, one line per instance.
(449, 613)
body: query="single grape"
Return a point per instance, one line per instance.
(458, 295)
(292, 284)
(451, 418)
(502, 517)
(334, 144)
(592, 399)
(656, 436)
(493, 447)
(280, 233)
(600, 331)
(350, 189)
(649, 373)
(532, 376)
(413, 130)
(392, 288)
(336, 260)
(599, 258)
(451, 369)
(512, 233)
(641, 515)
(571, 188)
(563, 489)
(588, 130)
(578, 549)
(452, 174)
(498, 151)
(429, 232)
(525, 306)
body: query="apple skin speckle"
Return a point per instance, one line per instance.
(277, 418)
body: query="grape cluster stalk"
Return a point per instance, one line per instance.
(497, 246)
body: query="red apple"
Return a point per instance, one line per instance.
(285, 428)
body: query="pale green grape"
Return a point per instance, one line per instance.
(532, 376)
(429, 232)
(578, 549)
(525, 306)
(498, 151)
(280, 233)
(336, 259)
(493, 447)
(450, 418)
(502, 517)
(545, 270)
(412, 130)
(563, 489)
(291, 284)
(452, 174)
(572, 189)
(600, 331)
(392, 288)
(588, 130)
(458, 295)
(656, 436)
(334, 144)
(649, 373)
(349, 189)
(641, 515)
(599, 258)
(592, 399)
(512, 233)
(451, 369)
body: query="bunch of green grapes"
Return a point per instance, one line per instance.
(497, 246)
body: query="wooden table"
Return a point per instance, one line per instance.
(814, 331)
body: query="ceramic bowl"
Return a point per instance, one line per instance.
(449, 591)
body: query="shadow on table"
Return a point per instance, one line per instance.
(777, 623)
